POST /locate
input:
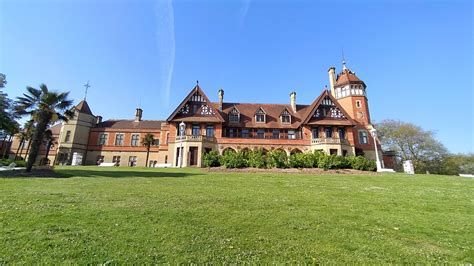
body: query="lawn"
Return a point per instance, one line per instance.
(137, 215)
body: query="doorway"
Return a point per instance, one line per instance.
(193, 156)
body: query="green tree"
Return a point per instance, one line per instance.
(411, 142)
(45, 107)
(147, 141)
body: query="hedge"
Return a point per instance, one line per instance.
(279, 159)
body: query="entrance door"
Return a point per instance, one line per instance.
(193, 156)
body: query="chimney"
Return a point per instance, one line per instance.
(98, 119)
(332, 80)
(293, 101)
(138, 115)
(221, 98)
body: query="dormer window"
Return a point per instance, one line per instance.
(260, 116)
(285, 117)
(234, 116)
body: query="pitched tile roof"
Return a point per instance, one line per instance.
(130, 124)
(348, 77)
(273, 112)
(83, 107)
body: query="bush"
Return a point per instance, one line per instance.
(233, 160)
(7, 162)
(467, 169)
(302, 160)
(256, 159)
(211, 159)
(277, 158)
(360, 163)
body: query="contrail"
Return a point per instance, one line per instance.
(243, 12)
(165, 44)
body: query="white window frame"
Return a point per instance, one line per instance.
(123, 139)
(106, 138)
(138, 140)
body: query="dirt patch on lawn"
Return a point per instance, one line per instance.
(39, 172)
(317, 171)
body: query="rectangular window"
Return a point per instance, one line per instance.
(116, 160)
(103, 139)
(328, 132)
(245, 133)
(100, 159)
(261, 133)
(119, 139)
(333, 151)
(276, 134)
(342, 133)
(315, 132)
(344, 152)
(260, 118)
(230, 133)
(291, 134)
(167, 137)
(132, 161)
(135, 139)
(156, 142)
(286, 119)
(210, 131)
(234, 118)
(363, 137)
(196, 130)
(68, 136)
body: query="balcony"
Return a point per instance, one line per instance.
(323, 141)
(195, 138)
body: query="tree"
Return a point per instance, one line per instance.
(3, 80)
(45, 107)
(147, 141)
(411, 142)
(48, 142)
(25, 135)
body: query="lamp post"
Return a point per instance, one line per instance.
(373, 132)
(182, 127)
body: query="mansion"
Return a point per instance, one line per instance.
(336, 122)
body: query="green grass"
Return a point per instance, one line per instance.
(133, 215)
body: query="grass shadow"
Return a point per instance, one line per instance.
(122, 173)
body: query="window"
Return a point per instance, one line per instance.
(285, 117)
(230, 133)
(291, 134)
(68, 136)
(333, 151)
(358, 104)
(119, 139)
(363, 137)
(261, 133)
(135, 139)
(315, 132)
(342, 133)
(167, 137)
(260, 116)
(328, 132)
(344, 152)
(132, 161)
(276, 134)
(234, 116)
(210, 131)
(116, 160)
(196, 130)
(245, 133)
(156, 142)
(103, 139)
(100, 159)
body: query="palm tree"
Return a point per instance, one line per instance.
(48, 142)
(45, 107)
(147, 141)
(25, 135)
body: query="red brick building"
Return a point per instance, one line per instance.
(336, 122)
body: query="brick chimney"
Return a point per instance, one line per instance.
(221, 98)
(138, 115)
(332, 80)
(98, 119)
(293, 101)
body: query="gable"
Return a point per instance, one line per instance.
(326, 109)
(195, 107)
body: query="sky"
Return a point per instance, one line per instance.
(416, 57)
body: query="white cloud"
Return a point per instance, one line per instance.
(166, 45)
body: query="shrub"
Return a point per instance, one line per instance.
(302, 160)
(467, 169)
(277, 158)
(256, 159)
(211, 159)
(360, 163)
(233, 160)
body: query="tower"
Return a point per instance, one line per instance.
(349, 91)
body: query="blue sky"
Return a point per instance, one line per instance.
(416, 57)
